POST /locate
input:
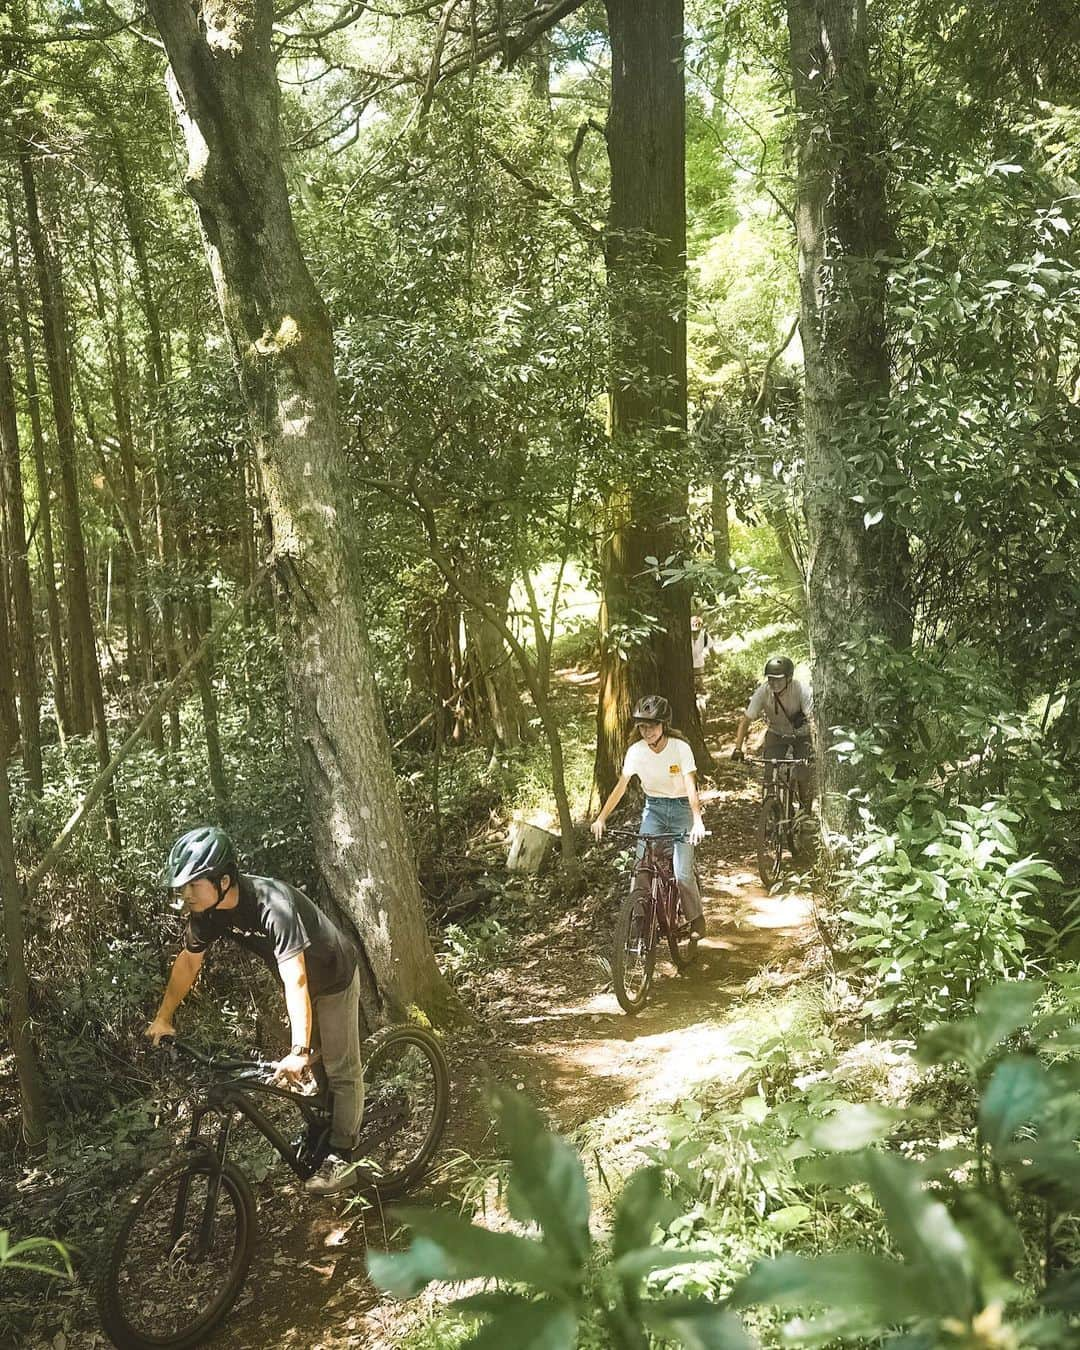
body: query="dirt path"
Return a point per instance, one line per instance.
(547, 1020)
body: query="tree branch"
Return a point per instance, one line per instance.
(97, 789)
(537, 190)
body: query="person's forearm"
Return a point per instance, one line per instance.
(298, 1005)
(740, 734)
(693, 798)
(183, 975)
(614, 798)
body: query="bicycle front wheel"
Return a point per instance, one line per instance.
(177, 1254)
(770, 841)
(682, 944)
(406, 1105)
(634, 955)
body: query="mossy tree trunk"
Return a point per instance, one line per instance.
(857, 572)
(646, 271)
(224, 89)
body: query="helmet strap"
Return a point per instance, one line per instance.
(222, 891)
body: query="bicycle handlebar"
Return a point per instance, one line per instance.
(243, 1068)
(758, 759)
(680, 835)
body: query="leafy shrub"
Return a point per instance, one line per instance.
(561, 1265)
(957, 1253)
(942, 905)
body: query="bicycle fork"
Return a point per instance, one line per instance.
(205, 1240)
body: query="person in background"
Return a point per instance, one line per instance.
(699, 648)
(787, 705)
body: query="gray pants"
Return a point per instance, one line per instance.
(776, 747)
(337, 1020)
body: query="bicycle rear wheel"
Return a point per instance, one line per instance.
(176, 1255)
(406, 1104)
(634, 955)
(770, 841)
(682, 944)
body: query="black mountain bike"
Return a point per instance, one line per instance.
(652, 910)
(781, 823)
(177, 1252)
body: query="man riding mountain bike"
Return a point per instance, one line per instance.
(787, 704)
(315, 963)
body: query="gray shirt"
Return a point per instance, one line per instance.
(778, 709)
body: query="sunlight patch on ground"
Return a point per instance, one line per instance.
(660, 1067)
(779, 911)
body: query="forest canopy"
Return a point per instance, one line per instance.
(384, 390)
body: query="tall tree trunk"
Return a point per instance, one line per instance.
(27, 1068)
(502, 715)
(84, 667)
(199, 620)
(41, 483)
(161, 441)
(19, 569)
(645, 626)
(857, 573)
(226, 97)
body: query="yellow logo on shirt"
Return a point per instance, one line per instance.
(674, 768)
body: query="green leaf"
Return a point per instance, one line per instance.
(999, 1011)
(850, 1128)
(789, 1218)
(448, 1247)
(924, 1232)
(642, 1205)
(697, 1325)
(547, 1181)
(1064, 1292)
(874, 1288)
(529, 1326)
(1015, 1095)
(634, 1266)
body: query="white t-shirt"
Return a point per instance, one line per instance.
(699, 645)
(777, 709)
(663, 774)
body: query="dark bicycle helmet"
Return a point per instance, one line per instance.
(652, 708)
(780, 665)
(203, 852)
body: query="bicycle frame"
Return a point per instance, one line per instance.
(233, 1097)
(227, 1099)
(660, 911)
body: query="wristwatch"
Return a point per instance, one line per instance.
(301, 1050)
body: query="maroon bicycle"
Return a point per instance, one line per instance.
(653, 910)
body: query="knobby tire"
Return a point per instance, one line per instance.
(145, 1278)
(682, 944)
(634, 954)
(406, 1105)
(770, 841)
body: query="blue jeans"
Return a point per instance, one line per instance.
(672, 815)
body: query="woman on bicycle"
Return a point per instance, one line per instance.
(661, 759)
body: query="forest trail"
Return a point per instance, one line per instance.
(546, 1020)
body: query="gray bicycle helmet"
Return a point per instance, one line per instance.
(203, 852)
(652, 708)
(777, 666)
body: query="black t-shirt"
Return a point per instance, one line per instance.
(276, 921)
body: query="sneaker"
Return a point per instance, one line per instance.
(697, 928)
(334, 1176)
